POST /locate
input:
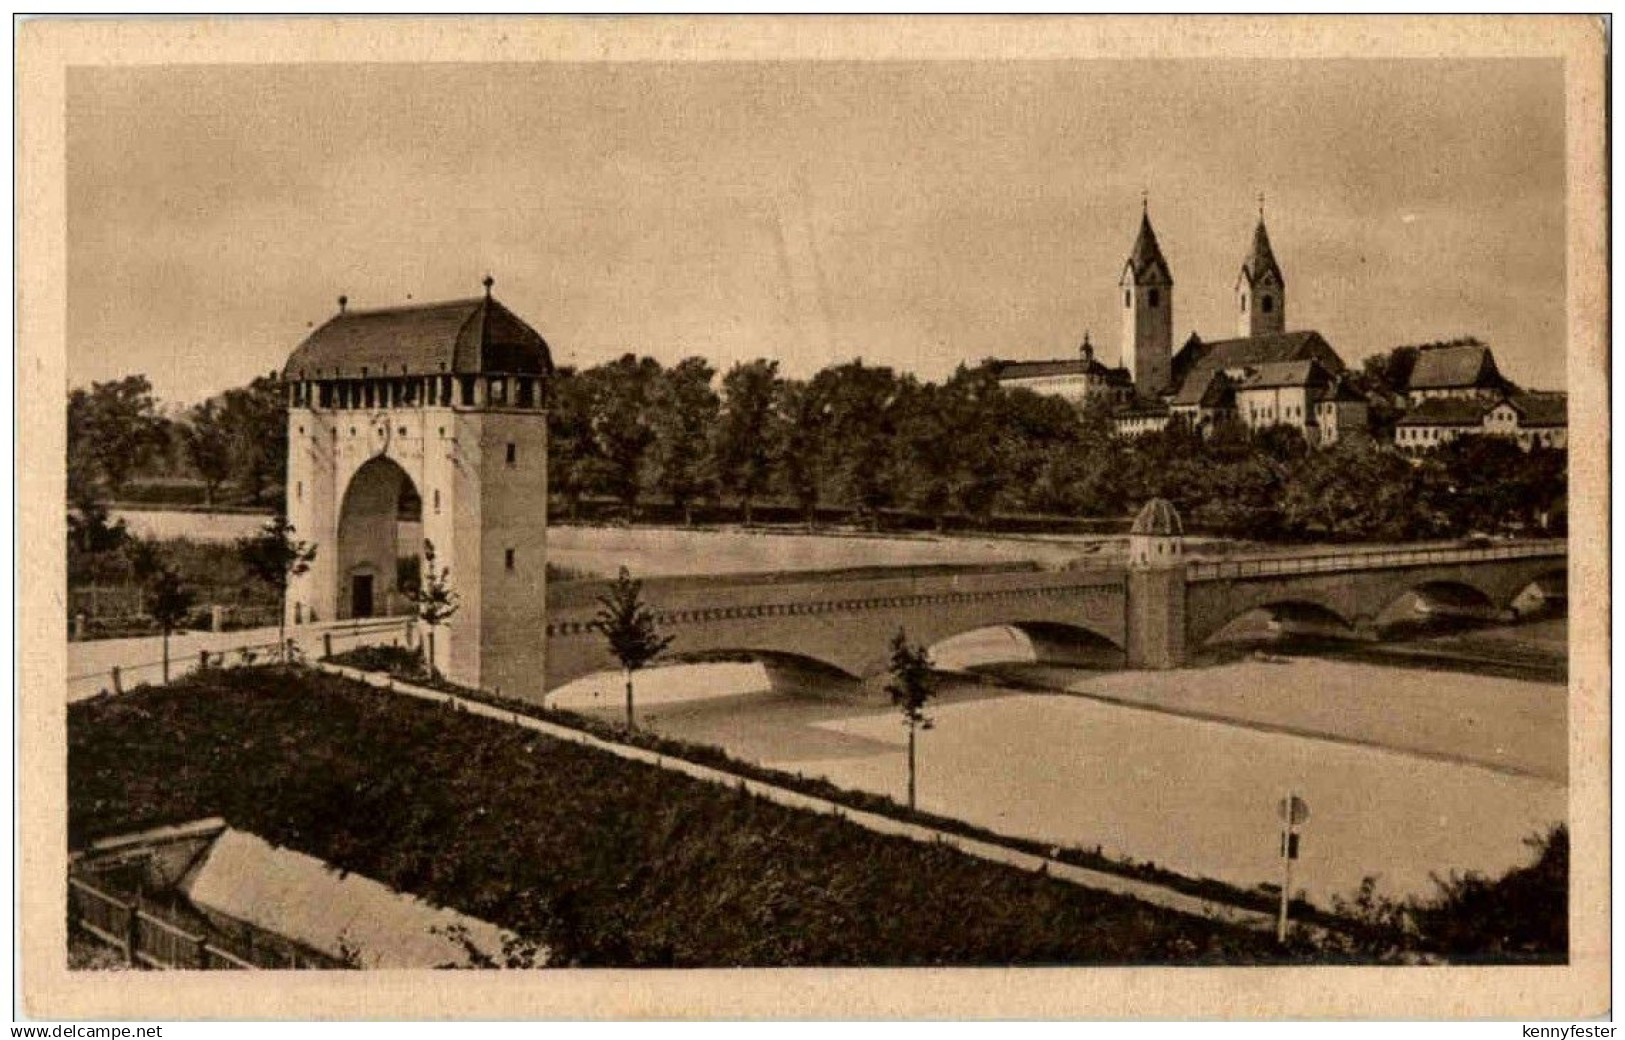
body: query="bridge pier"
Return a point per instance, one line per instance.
(1156, 618)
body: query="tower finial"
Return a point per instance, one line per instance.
(1145, 202)
(1261, 207)
(488, 282)
(344, 301)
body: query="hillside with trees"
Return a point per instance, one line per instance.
(857, 443)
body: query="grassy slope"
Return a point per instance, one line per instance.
(606, 861)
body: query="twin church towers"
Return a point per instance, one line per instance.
(1148, 303)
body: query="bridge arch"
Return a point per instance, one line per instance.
(1026, 642)
(380, 525)
(1299, 610)
(1544, 594)
(685, 676)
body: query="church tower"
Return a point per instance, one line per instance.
(1148, 312)
(1260, 288)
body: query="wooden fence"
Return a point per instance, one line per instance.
(148, 939)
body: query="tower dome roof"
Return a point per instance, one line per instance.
(1158, 516)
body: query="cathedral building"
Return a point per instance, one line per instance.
(1264, 376)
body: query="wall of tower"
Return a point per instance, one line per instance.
(1148, 336)
(1261, 309)
(499, 635)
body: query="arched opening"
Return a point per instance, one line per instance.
(380, 541)
(1435, 608)
(1545, 597)
(1042, 652)
(1280, 625)
(707, 680)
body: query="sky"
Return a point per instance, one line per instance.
(914, 214)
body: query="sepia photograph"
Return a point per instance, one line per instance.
(535, 495)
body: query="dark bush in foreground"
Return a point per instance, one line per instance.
(604, 861)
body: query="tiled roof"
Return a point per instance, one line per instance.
(1261, 259)
(1446, 411)
(1339, 390)
(1446, 367)
(458, 336)
(1034, 369)
(1146, 265)
(1541, 409)
(1285, 373)
(1253, 352)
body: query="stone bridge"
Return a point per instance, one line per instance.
(830, 625)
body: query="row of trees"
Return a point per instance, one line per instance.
(871, 441)
(117, 431)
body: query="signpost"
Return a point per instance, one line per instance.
(1294, 812)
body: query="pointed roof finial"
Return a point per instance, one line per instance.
(1145, 202)
(488, 282)
(1260, 207)
(344, 301)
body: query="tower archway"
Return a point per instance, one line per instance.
(380, 540)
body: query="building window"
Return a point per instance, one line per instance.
(513, 453)
(1267, 304)
(1128, 298)
(299, 490)
(437, 501)
(1244, 301)
(507, 559)
(1155, 298)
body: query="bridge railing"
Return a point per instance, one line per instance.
(1368, 559)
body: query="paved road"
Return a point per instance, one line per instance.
(140, 659)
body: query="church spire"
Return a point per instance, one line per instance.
(1260, 287)
(1261, 258)
(1146, 265)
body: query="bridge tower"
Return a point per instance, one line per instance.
(1156, 588)
(417, 423)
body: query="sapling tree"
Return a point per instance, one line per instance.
(433, 598)
(910, 690)
(168, 601)
(629, 628)
(276, 557)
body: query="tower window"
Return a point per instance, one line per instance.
(1267, 303)
(513, 453)
(1243, 301)
(1155, 298)
(437, 501)
(507, 559)
(1128, 299)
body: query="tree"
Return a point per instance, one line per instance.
(801, 425)
(910, 690)
(208, 443)
(862, 409)
(572, 456)
(113, 429)
(433, 598)
(257, 418)
(622, 425)
(168, 602)
(744, 444)
(629, 627)
(276, 557)
(686, 410)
